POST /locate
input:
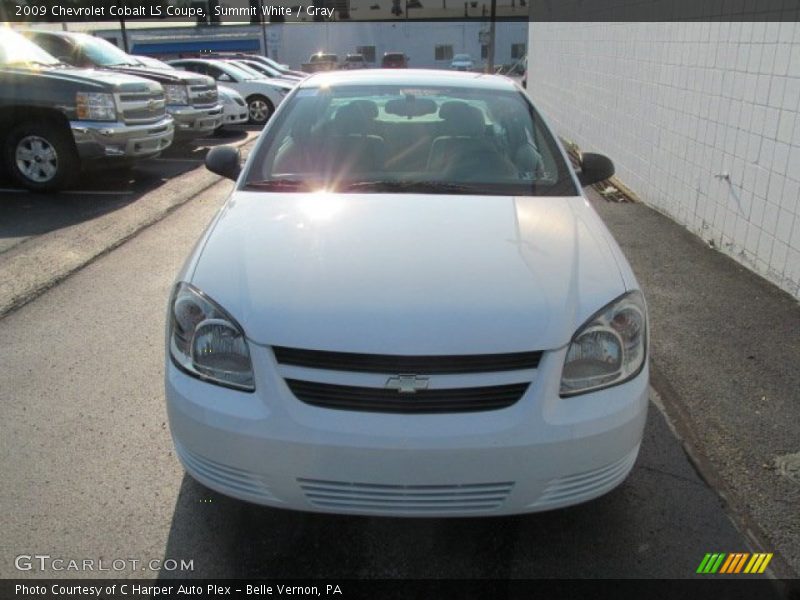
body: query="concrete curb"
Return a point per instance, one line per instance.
(31, 268)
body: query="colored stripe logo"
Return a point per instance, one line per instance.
(733, 563)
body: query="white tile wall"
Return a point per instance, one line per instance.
(676, 104)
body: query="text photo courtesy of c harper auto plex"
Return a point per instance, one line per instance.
(408, 299)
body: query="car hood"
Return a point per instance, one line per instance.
(101, 80)
(409, 274)
(167, 76)
(285, 84)
(229, 92)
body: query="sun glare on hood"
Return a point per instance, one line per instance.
(321, 205)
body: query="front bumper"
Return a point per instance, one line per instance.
(95, 139)
(541, 453)
(195, 122)
(235, 114)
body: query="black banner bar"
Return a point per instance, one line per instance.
(213, 12)
(712, 587)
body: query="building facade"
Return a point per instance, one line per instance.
(700, 118)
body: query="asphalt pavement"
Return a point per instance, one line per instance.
(725, 356)
(46, 237)
(89, 470)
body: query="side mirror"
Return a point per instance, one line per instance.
(595, 168)
(225, 161)
(224, 77)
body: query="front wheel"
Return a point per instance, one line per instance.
(260, 109)
(41, 156)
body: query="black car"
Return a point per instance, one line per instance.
(394, 60)
(191, 98)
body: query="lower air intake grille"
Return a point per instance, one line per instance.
(420, 365)
(346, 397)
(408, 499)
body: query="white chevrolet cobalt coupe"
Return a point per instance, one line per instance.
(407, 307)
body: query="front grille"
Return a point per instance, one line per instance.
(203, 96)
(143, 107)
(419, 365)
(451, 400)
(411, 499)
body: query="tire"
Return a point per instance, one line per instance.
(41, 156)
(260, 109)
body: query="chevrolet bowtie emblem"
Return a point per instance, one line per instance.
(407, 384)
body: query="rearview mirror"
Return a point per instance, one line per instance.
(411, 106)
(595, 168)
(225, 161)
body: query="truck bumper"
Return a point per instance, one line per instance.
(117, 140)
(195, 122)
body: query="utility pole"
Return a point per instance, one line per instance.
(124, 34)
(263, 27)
(492, 23)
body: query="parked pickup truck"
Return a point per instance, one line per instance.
(321, 61)
(192, 99)
(56, 120)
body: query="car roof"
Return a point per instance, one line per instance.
(211, 61)
(410, 77)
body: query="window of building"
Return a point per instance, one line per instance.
(368, 52)
(517, 51)
(484, 51)
(444, 52)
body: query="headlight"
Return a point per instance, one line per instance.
(205, 341)
(95, 106)
(176, 94)
(226, 99)
(609, 348)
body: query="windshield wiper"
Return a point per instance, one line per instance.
(431, 187)
(280, 184)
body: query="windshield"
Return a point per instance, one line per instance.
(153, 63)
(410, 139)
(251, 73)
(260, 68)
(274, 65)
(16, 49)
(104, 54)
(239, 73)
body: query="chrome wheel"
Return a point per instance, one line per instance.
(259, 110)
(36, 159)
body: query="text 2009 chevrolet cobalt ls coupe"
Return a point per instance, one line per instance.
(407, 307)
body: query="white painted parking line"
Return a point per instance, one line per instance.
(12, 191)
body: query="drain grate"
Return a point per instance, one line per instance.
(788, 465)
